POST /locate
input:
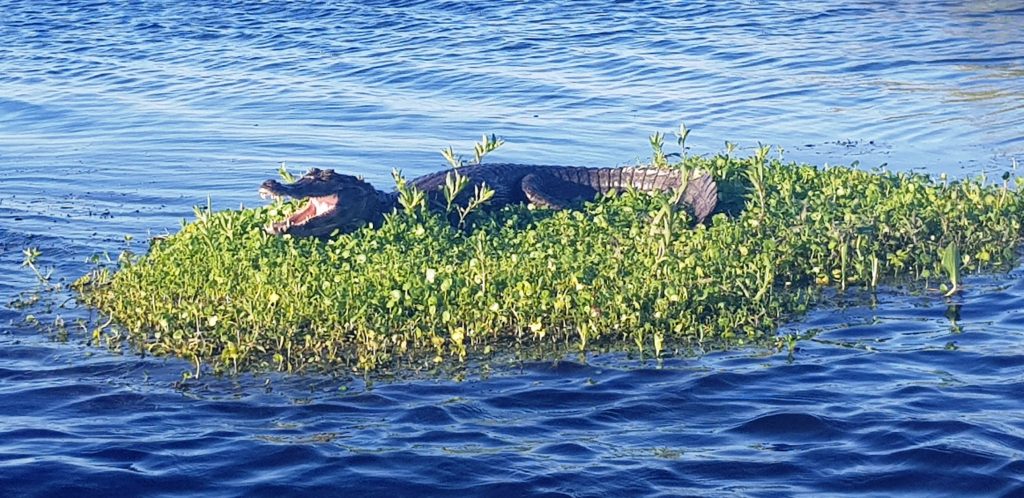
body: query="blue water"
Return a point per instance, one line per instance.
(117, 118)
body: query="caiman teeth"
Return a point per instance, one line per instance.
(278, 227)
(267, 194)
(313, 208)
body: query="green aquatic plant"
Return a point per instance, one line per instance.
(31, 256)
(681, 136)
(623, 273)
(486, 145)
(950, 258)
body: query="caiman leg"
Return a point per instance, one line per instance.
(540, 189)
(700, 196)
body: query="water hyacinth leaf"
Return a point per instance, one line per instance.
(628, 272)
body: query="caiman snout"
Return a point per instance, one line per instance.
(271, 188)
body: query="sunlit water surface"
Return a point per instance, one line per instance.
(116, 119)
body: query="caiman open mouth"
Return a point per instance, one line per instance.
(316, 207)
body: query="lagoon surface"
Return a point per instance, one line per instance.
(117, 118)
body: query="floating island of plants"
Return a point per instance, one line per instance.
(623, 273)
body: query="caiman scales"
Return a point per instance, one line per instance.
(345, 203)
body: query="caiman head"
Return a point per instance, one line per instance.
(335, 202)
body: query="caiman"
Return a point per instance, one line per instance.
(345, 203)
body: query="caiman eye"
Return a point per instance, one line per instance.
(313, 172)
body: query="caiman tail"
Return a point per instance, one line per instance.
(700, 192)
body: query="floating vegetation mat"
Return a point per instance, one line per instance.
(625, 273)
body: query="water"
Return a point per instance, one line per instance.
(115, 119)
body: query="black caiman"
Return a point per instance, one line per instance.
(345, 203)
